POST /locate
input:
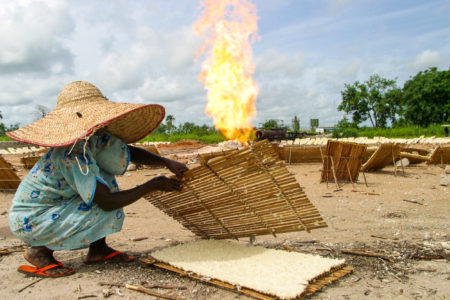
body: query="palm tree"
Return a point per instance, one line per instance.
(169, 122)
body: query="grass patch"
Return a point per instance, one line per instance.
(164, 137)
(403, 132)
(5, 138)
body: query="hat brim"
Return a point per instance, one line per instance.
(64, 126)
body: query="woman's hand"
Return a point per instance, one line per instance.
(176, 167)
(163, 183)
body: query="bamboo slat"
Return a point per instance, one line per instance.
(414, 158)
(300, 154)
(9, 181)
(343, 161)
(383, 156)
(440, 155)
(241, 193)
(29, 161)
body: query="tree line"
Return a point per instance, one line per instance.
(169, 127)
(422, 101)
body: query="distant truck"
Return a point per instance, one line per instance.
(279, 134)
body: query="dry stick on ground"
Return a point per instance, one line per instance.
(363, 253)
(379, 237)
(139, 239)
(112, 284)
(147, 291)
(86, 296)
(34, 282)
(413, 201)
(168, 287)
(426, 257)
(149, 286)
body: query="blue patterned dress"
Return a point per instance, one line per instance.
(53, 205)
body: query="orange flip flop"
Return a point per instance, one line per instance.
(41, 272)
(109, 257)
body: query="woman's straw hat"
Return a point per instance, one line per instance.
(81, 109)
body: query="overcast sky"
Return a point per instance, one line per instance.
(143, 51)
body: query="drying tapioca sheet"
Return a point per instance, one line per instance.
(279, 273)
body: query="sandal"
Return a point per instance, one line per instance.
(41, 272)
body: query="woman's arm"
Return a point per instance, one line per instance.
(142, 156)
(109, 201)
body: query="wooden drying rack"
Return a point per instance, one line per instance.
(342, 162)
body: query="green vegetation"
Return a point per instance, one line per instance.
(5, 138)
(419, 108)
(423, 100)
(396, 132)
(175, 137)
(402, 132)
(168, 132)
(4, 129)
(426, 98)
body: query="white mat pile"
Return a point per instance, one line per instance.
(280, 273)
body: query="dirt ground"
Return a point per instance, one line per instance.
(404, 218)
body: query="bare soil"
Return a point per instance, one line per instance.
(402, 219)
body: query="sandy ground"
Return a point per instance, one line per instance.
(375, 218)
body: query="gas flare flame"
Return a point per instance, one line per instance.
(229, 27)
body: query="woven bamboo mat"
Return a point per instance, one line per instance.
(29, 161)
(247, 192)
(414, 158)
(301, 154)
(385, 155)
(440, 155)
(9, 181)
(342, 161)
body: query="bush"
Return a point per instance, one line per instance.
(403, 132)
(345, 133)
(164, 137)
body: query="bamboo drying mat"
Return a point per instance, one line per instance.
(414, 158)
(247, 192)
(312, 286)
(383, 156)
(440, 155)
(9, 181)
(29, 161)
(300, 154)
(345, 158)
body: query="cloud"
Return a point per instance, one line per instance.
(424, 60)
(151, 55)
(274, 63)
(335, 5)
(32, 37)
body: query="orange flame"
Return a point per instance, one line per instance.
(229, 27)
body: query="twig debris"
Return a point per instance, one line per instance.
(364, 253)
(87, 296)
(149, 292)
(28, 285)
(413, 201)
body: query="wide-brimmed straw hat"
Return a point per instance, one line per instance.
(82, 109)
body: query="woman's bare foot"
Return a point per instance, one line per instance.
(41, 257)
(99, 251)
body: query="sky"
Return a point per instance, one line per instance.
(143, 51)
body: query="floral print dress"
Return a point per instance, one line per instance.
(53, 205)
